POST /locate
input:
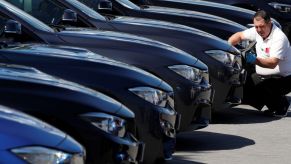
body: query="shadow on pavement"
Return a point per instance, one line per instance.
(207, 141)
(179, 160)
(244, 114)
(239, 115)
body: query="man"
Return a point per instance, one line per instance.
(272, 80)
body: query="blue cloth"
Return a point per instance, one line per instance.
(251, 58)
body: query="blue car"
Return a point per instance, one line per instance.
(278, 9)
(186, 74)
(105, 127)
(24, 139)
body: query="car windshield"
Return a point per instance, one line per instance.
(48, 11)
(128, 4)
(26, 17)
(85, 9)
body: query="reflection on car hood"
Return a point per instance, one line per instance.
(81, 32)
(162, 24)
(72, 53)
(213, 4)
(29, 74)
(15, 125)
(56, 50)
(191, 14)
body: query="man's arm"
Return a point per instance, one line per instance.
(270, 62)
(236, 38)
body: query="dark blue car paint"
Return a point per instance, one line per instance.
(213, 24)
(61, 103)
(102, 74)
(284, 18)
(16, 131)
(130, 49)
(224, 78)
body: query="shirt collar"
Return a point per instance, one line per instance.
(272, 31)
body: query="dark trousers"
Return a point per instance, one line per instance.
(268, 90)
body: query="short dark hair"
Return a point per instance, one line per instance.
(263, 14)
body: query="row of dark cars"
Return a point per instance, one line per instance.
(118, 78)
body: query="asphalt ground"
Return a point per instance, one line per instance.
(241, 135)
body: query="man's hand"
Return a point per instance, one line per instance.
(251, 58)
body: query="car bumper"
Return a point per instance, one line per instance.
(229, 92)
(194, 104)
(169, 124)
(132, 150)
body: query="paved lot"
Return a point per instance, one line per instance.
(241, 135)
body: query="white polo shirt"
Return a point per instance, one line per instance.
(276, 45)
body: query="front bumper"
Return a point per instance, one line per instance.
(194, 104)
(170, 123)
(228, 88)
(202, 116)
(131, 151)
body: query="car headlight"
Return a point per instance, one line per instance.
(281, 7)
(107, 123)
(152, 95)
(188, 72)
(222, 56)
(36, 155)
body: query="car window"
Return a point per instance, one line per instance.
(24, 16)
(92, 3)
(128, 4)
(48, 11)
(3, 21)
(86, 9)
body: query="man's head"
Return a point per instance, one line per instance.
(263, 24)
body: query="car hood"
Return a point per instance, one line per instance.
(164, 25)
(124, 37)
(84, 55)
(151, 48)
(213, 4)
(190, 14)
(55, 50)
(31, 75)
(16, 129)
(158, 24)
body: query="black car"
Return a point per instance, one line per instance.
(104, 126)
(226, 77)
(148, 97)
(212, 24)
(278, 9)
(236, 14)
(47, 144)
(192, 91)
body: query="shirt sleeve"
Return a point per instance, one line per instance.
(279, 49)
(250, 34)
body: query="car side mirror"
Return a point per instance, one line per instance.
(12, 27)
(105, 5)
(69, 16)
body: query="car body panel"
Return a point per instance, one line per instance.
(284, 18)
(61, 103)
(102, 74)
(236, 14)
(180, 36)
(223, 28)
(118, 47)
(16, 129)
